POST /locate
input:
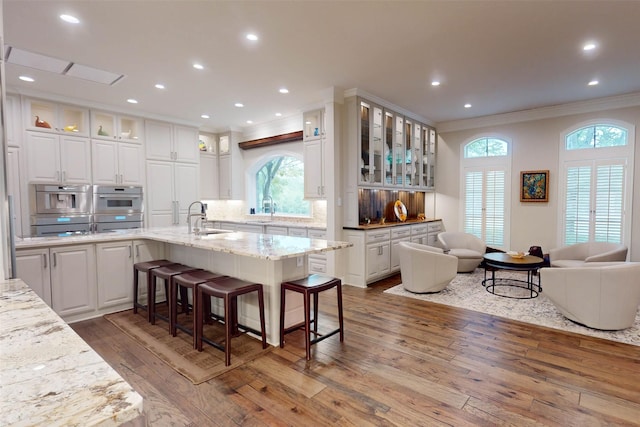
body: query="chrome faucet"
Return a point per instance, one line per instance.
(201, 215)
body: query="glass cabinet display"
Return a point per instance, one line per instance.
(398, 152)
(115, 127)
(431, 152)
(313, 125)
(416, 156)
(371, 144)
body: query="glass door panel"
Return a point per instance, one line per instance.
(388, 143)
(377, 145)
(398, 151)
(416, 156)
(365, 154)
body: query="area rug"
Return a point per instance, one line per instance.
(178, 351)
(466, 291)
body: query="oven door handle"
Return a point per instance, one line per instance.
(133, 196)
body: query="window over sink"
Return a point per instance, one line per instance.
(279, 185)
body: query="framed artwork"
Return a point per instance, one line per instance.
(534, 186)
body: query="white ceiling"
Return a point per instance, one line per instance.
(500, 56)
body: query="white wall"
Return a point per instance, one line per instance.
(536, 145)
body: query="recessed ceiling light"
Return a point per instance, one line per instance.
(252, 37)
(284, 90)
(278, 114)
(239, 104)
(593, 83)
(249, 121)
(132, 101)
(27, 79)
(159, 86)
(70, 19)
(205, 116)
(467, 105)
(589, 46)
(435, 83)
(198, 66)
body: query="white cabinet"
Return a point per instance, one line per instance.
(317, 262)
(433, 229)
(33, 267)
(114, 273)
(165, 141)
(14, 187)
(64, 277)
(419, 233)
(398, 234)
(45, 116)
(209, 188)
(171, 187)
(73, 279)
(118, 163)
(13, 126)
(297, 231)
(58, 158)
(378, 254)
(230, 169)
(275, 229)
(115, 127)
(313, 152)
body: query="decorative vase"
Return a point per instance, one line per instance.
(42, 123)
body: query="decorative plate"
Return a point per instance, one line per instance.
(517, 255)
(401, 211)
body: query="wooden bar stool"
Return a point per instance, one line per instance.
(185, 281)
(311, 285)
(165, 273)
(145, 267)
(228, 289)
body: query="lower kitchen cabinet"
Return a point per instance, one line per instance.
(398, 234)
(317, 262)
(115, 273)
(64, 275)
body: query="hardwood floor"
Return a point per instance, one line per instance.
(404, 362)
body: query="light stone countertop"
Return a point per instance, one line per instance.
(263, 246)
(49, 376)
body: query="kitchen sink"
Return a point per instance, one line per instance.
(208, 231)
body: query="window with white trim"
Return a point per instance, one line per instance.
(485, 181)
(595, 201)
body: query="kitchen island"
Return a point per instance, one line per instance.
(49, 375)
(260, 258)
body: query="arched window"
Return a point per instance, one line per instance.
(595, 197)
(281, 180)
(485, 181)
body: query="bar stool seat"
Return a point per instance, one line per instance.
(166, 274)
(228, 289)
(310, 285)
(189, 280)
(145, 267)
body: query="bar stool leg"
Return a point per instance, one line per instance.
(282, 307)
(315, 313)
(227, 330)
(135, 291)
(307, 324)
(340, 317)
(262, 322)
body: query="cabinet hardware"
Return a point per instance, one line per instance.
(64, 175)
(44, 258)
(121, 179)
(138, 252)
(55, 263)
(130, 252)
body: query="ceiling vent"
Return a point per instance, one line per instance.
(54, 65)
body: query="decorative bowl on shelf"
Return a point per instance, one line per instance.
(517, 255)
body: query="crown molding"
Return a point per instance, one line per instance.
(386, 104)
(580, 107)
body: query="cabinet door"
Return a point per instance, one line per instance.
(32, 266)
(395, 258)
(13, 124)
(73, 279)
(43, 151)
(160, 202)
(158, 140)
(313, 125)
(209, 176)
(114, 263)
(105, 162)
(187, 188)
(378, 260)
(130, 164)
(185, 143)
(75, 160)
(224, 168)
(313, 168)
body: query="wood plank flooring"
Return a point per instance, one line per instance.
(404, 362)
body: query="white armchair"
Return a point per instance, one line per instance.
(466, 247)
(598, 295)
(425, 268)
(580, 253)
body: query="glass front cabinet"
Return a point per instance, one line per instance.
(396, 152)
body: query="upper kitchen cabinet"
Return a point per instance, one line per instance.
(56, 159)
(313, 138)
(13, 122)
(230, 168)
(165, 141)
(116, 127)
(45, 116)
(117, 163)
(370, 141)
(313, 125)
(209, 181)
(429, 159)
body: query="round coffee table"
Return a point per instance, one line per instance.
(501, 261)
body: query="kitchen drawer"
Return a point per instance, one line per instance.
(374, 236)
(297, 232)
(400, 232)
(317, 264)
(317, 234)
(274, 229)
(435, 227)
(418, 229)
